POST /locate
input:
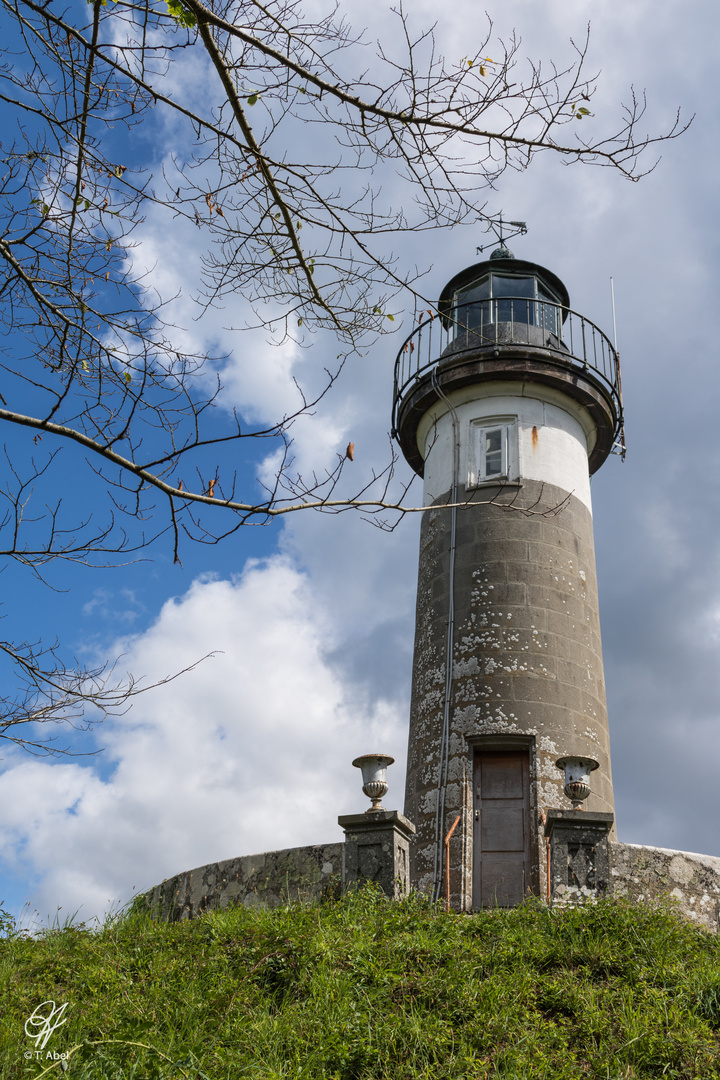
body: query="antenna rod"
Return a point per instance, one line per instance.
(612, 301)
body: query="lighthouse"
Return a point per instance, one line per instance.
(506, 402)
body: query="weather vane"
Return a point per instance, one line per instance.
(519, 227)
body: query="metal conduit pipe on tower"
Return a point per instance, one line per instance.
(444, 746)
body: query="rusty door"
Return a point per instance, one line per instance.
(501, 845)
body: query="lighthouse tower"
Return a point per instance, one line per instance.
(506, 401)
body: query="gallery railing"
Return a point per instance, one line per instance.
(573, 341)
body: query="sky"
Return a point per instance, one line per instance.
(310, 621)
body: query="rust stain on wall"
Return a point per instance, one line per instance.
(534, 437)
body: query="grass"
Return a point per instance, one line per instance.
(366, 989)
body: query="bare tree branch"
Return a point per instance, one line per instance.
(281, 165)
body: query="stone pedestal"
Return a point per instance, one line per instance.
(377, 848)
(579, 856)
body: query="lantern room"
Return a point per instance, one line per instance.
(505, 290)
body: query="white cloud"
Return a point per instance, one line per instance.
(250, 751)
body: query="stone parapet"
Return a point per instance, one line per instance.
(644, 874)
(269, 880)
(641, 874)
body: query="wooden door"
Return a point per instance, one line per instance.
(501, 845)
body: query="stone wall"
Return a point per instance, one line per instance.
(644, 874)
(268, 880)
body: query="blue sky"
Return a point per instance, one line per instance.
(311, 619)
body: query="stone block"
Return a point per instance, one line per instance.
(547, 692)
(576, 629)
(572, 526)
(566, 649)
(439, 593)
(465, 532)
(575, 673)
(552, 557)
(532, 572)
(498, 593)
(564, 541)
(553, 597)
(486, 552)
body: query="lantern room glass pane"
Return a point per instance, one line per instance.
(513, 286)
(476, 290)
(549, 315)
(545, 294)
(516, 310)
(471, 307)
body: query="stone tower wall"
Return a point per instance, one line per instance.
(527, 661)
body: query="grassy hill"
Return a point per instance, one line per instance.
(364, 989)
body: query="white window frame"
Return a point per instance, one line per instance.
(477, 474)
